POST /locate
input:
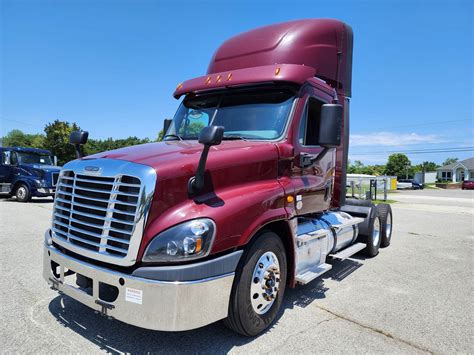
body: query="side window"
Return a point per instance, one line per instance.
(309, 126)
(13, 158)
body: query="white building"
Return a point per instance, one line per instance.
(459, 171)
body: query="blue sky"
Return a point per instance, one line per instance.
(112, 65)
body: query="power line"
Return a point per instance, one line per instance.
(425, 124)
(419, 151)
(25, 123)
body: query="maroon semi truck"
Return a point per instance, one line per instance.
(244, 197)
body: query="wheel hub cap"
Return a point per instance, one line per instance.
(376, 232)
(21, 192)
(388, 226)
(265, 283)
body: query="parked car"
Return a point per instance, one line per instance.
(409, 184)
(467, 185)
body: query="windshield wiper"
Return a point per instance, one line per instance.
(233, 137)
(172, 135)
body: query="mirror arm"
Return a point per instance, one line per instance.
(308, 160)
(196, 183)
(77, 149)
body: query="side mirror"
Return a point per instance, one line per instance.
(330, 125)
(78, 138)
(166, 124)
(329, 136)
(209, 136)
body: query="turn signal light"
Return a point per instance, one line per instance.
(290, 199)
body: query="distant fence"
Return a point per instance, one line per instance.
(369, 187)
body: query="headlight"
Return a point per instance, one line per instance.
(186, 241)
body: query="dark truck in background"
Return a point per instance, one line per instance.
(27, 172)
(245, 196)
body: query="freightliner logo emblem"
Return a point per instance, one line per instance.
(92, 170)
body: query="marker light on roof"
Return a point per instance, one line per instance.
(277, 71)
(219, 77)
(208, 80)
(229, 76)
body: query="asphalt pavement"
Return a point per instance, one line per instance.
(414, 297)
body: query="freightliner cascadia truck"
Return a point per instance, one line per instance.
(244, 197)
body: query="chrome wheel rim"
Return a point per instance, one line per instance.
(388, 226)
(21, 192)
(376, 232)
(265, 283)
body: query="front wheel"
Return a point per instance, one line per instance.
(259, 286)
(23, 193)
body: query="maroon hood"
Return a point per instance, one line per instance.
(178, 158)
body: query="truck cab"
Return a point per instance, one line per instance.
(244, 197)
(27, 172)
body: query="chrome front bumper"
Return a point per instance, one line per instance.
(151, 304)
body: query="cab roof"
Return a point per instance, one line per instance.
(26, 150)
(322, 48)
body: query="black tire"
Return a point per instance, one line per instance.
(385, 212)
(23, 193)
(242, 317)
(371, 240)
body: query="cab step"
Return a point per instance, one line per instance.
(311, 274)
(349, 251)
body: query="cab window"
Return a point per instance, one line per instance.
(309, 125)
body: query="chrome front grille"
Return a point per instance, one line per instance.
(101, 215)
(55, 177)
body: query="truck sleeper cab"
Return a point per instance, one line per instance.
(27, 172)
(243, 198)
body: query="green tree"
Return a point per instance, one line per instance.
(57, 140)
(355, 168)
(426, 166)
(160, 136)
(17, 138)
(398, 165)
(450, 161)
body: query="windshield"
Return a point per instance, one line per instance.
(32, 158)
(260, 115)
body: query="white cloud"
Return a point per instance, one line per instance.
(392, 139)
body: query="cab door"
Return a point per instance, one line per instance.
(312, 183)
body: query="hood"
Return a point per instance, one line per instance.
(46, 168)
(39, 170)
(183, 156)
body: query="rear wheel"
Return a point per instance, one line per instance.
(259, 286)
(23, 193)
(385, 212)
(373, 237)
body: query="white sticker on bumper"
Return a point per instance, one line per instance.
(133, 295)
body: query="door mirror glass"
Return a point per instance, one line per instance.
(6, 158)
(330, 125)
(78, 137)
(211, 135)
